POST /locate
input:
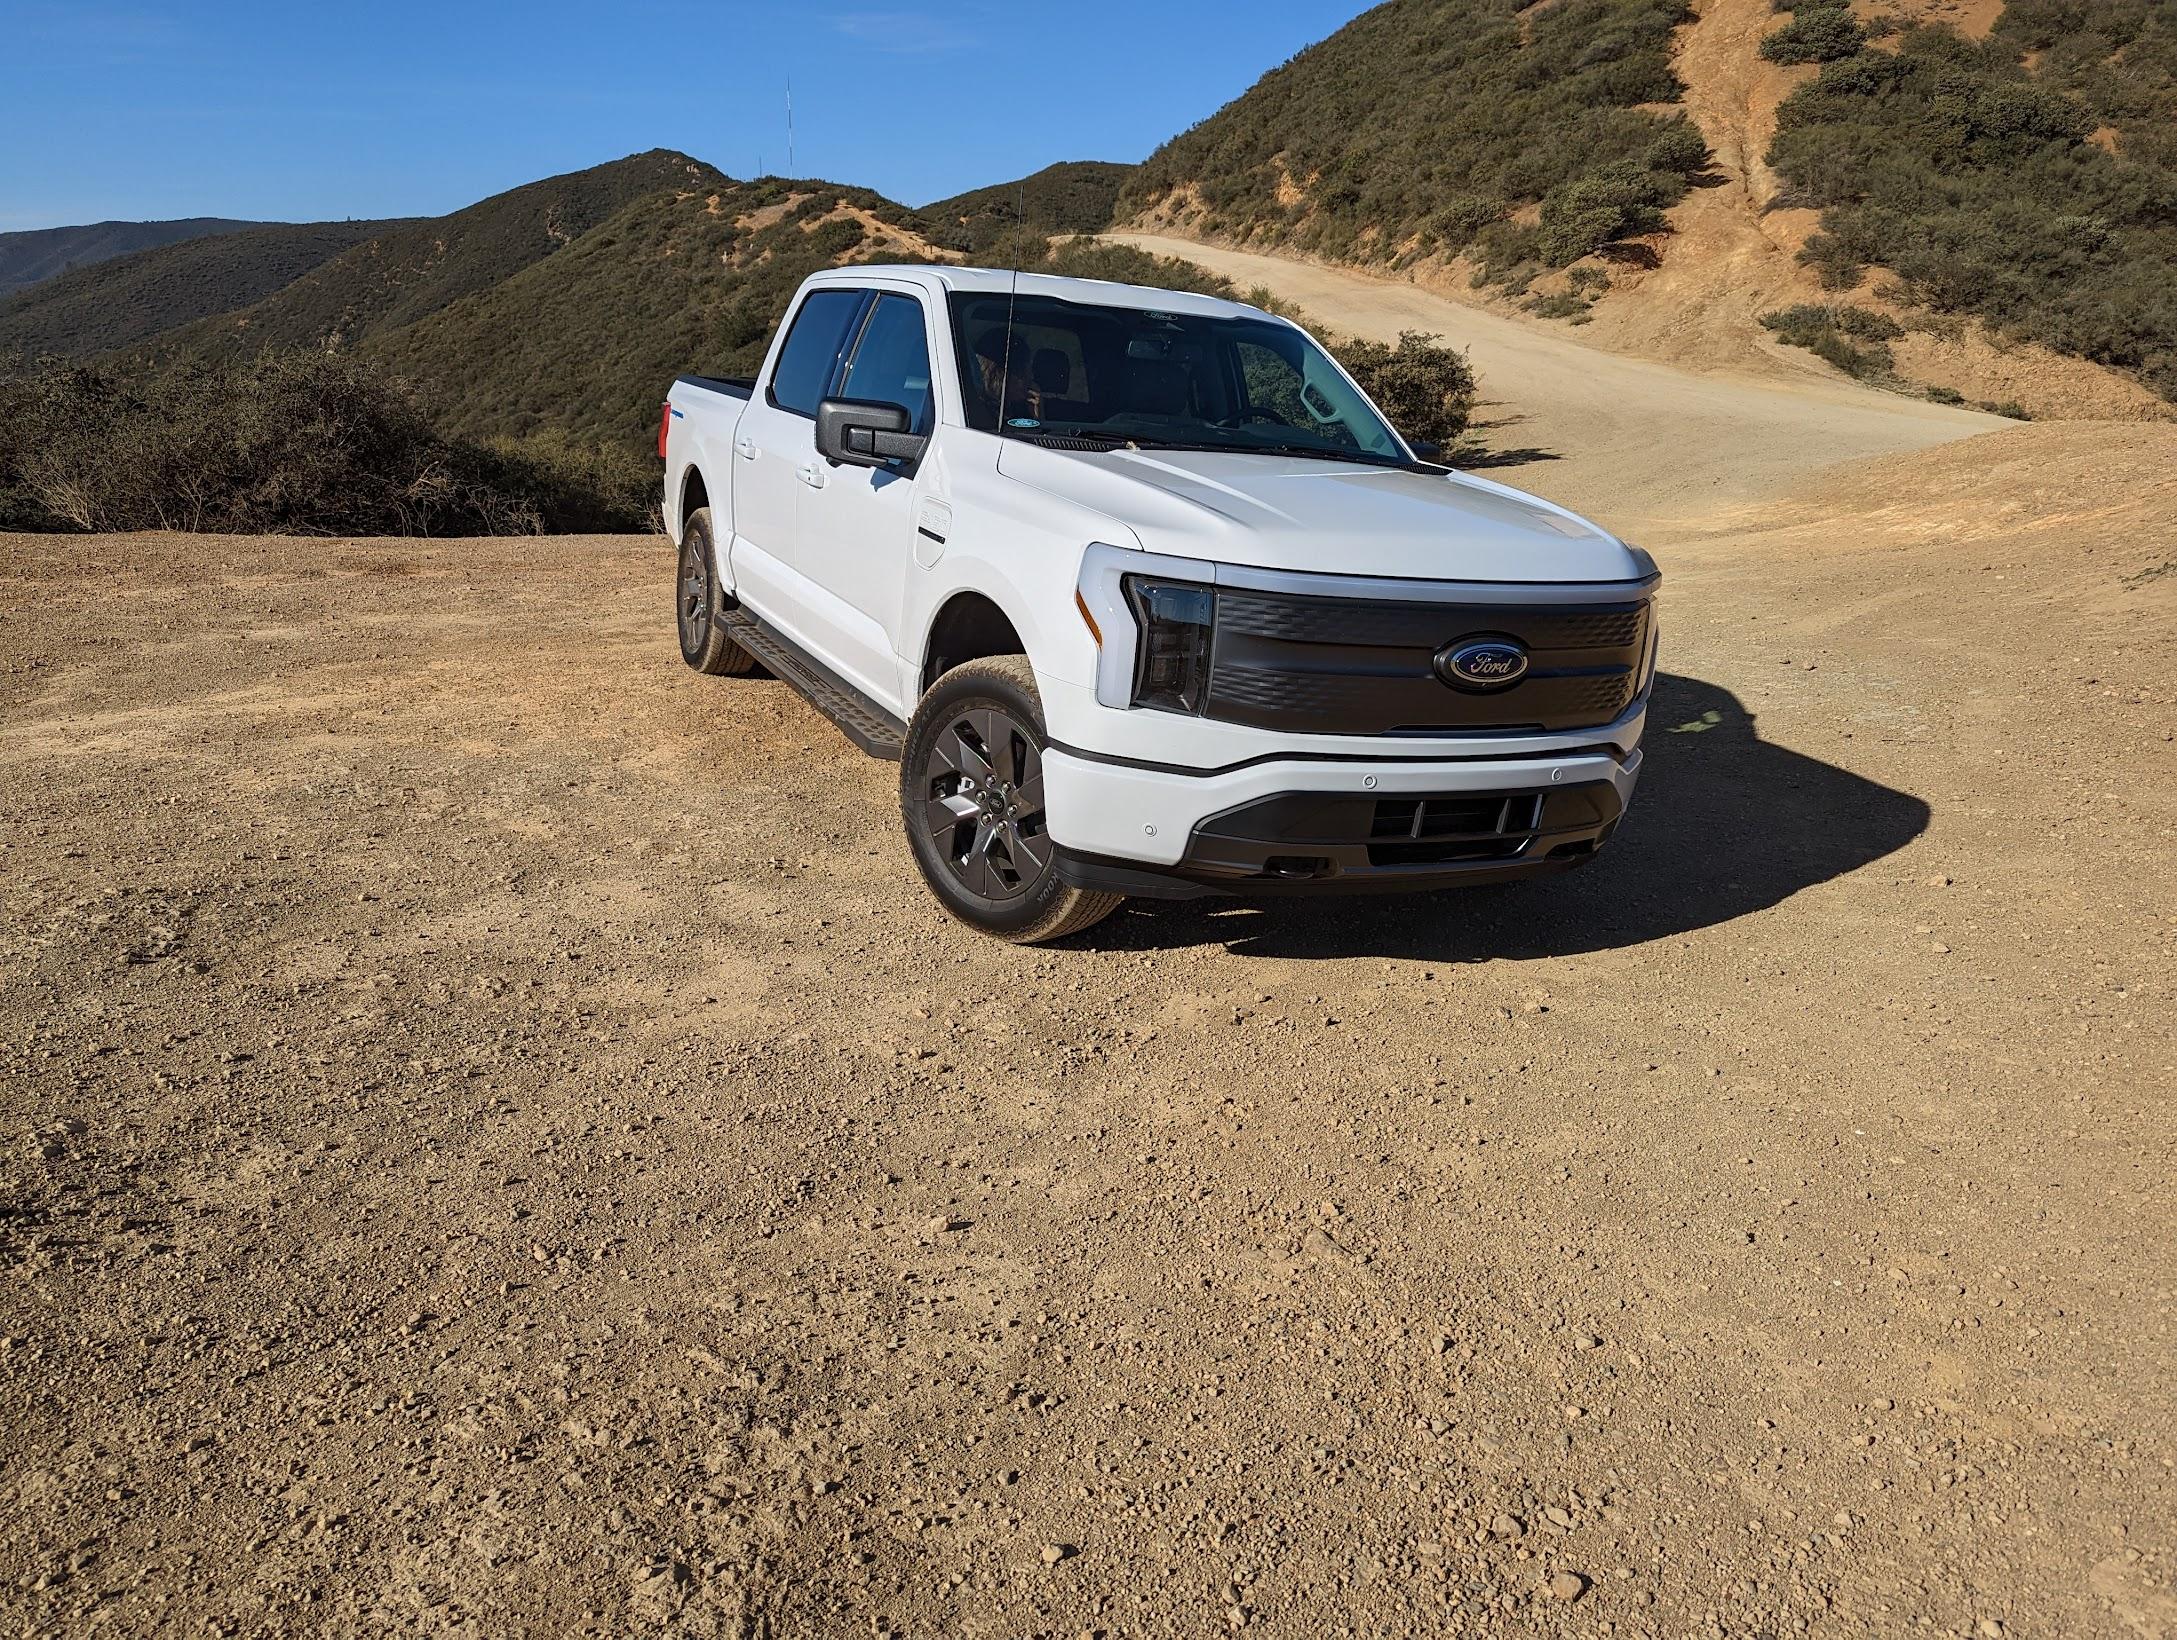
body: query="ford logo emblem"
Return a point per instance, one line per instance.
(1482, 663)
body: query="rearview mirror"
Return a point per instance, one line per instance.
(866, 433)
(1423, 449)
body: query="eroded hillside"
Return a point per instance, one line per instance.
(1690, 274)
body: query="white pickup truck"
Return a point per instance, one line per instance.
(1147, 598)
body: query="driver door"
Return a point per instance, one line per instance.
(857, 523)
(774, 448)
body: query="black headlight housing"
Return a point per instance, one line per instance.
(1178, 620)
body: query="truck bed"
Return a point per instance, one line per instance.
(734, 387)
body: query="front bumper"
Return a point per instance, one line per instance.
(1290, 825)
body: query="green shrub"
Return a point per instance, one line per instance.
(1458, 222)
(1815, 34)
(1837, 334)
(1601, 208)
(288, 443)
(1562, 304)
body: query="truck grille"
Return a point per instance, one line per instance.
(1356, 666)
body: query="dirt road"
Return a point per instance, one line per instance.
(1647, 444)
(498, 1142)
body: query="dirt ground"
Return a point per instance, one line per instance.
(497, 1140)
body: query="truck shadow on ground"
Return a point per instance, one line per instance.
(1725, 823)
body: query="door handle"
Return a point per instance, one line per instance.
(811, 475)
(745, 448)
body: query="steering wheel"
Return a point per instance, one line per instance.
(1243, 417)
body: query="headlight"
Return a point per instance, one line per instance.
(1647, 666)
(1171, 662)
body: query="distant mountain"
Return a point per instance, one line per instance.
(324, 284)
(582, 343)
(132, 298)
(38, 254)
(1075, 196)
(410, 270)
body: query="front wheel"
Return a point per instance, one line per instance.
(971, 792)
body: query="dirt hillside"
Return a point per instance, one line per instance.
(1694, 296)
(1732, 252)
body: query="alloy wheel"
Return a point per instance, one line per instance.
(983, 805)
(695, 595)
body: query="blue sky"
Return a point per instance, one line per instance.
(304, 110)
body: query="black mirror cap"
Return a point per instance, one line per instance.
(866, 433)
(1423, 449)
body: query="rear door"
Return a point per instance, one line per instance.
(773, 449)
(857, 523)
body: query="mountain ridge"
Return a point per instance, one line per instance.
(30, 256)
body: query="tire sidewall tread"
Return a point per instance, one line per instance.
(717, 656)
(1055, 910)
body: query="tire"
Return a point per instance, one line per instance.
(695, 602)
(971, 787)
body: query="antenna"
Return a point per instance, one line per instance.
(790, 128)
(1012, 304)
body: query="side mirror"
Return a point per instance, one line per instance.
(866, 433)
(1424, 449)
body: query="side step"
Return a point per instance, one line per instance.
(861, 719)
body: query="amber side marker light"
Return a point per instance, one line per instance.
(1087, 619)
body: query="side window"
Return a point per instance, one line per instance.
(812, 348)
(891, 363)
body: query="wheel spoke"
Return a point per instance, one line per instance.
(976, 870)
(1006, 743)
(944, 815)
(962, 754)
(1031, 851)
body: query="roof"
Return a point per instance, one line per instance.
(1001, 281)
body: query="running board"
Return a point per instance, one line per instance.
(860, 719)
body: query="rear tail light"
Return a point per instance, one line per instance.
(665, 425)
(1171, 667)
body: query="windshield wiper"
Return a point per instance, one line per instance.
(1149, 441)
(1360, 458)
(1056, 435)
(1318, 452)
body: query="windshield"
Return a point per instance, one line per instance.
(1039, 367)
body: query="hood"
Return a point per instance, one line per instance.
(1330, 517)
